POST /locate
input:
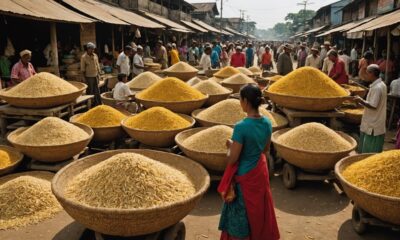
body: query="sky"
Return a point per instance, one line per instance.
(265, 12)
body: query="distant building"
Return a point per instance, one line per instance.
(205, 12)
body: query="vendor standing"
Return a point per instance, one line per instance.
(90, 69)
(373, 123)
(285, 64)
(23, 69)
(138, 63)
(338, 71)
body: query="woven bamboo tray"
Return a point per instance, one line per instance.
(362, 92)
(185, 107)
(306, 103)
(184, 76)
(107, 99)
(45, 102)
(235, 87)
(380, 206)
(213, 99)
(14, 154)
(54, 153)
(157, 138)
(102, 134)
(130, 222)
(212, 161)
(352, 118)
(312, 161)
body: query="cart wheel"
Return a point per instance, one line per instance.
(289, 176)
(356, 219)
(271, 165)
(176, 232)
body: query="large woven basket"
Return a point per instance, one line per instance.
(185, 107)
(382, 207)
(352, 118)
(107, 99)
(45, 102)
(130, 222)
(54, 153)
(184, 76)
(306, 103)
(235, 87)
(157, 138)
(362, 91)
(102, 134)
(213, 99)
(15, 155)
(312, 161)
(212, 161)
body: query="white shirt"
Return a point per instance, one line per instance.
(374, 120)
(137, 60)
(124, 63)
(205, 62)
(327, 65)
(346, 59)
(312, 61)
(395, 87)
(353, 54)
(121, 92)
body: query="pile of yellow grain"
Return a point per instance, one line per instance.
(143, 80)
(255, 70)
(41, 85)
(314, 137)
(211, 88)
(6, 159)
(377, 174)
(101, 116)
(352, 88)
(170, 90)
(226, 72)
(193, 81)
(211, 140)
(308, 82)
(51, 131)
(181, 67)
(239, 78)
(275, 78)
(216, 79)
(354, 111)
(245, 71)
(130, 181)
(157, 119)
(26, 200)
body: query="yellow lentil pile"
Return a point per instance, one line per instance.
(6, 159)
(377, 174)
(101, 116)
(275, 78)
(352, 88)
(51, 131)
(245, 71)
(181, 67)
(130, 181)
(26, 200)
(354, 111)
(226, 72)
(211, 140)
(210, 87)
(194, 81)
(314, 137)
(41, 85)
(157, 119)
(308, 82)
(170, 90)
(239, 78)
(143, 80)
(255, 70)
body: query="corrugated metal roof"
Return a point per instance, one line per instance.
(194, 26)
(205, 25)
(94, 11)
(315, 29)
(345, 27)
(42, 10)
(380, 22)
(167, 22)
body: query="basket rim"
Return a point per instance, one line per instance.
(72, 119)
(221, 94)
(89, 208)
(14, 151)
(306, 98)
(189, 101)
(349, 184)
(236, 84)
(186, 117)
(175, 72)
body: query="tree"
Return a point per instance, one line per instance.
(299, 20)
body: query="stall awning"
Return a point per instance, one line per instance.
(206, 26)
(380, 22)
(127, 16)
(233, 31)
(48, 10)
(226, 33)
(94, 11)
(345, 27)
(315, 30)
(173, 25)
(194, 26)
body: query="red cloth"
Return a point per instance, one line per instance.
(238, 60)
(340, 69)
(257, 198)
(266, 58)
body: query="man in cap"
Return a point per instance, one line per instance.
(338, 71)
(313, 60)
(238, 59)
(161, 55)
(302, 56)
(285, 64)
(23, 69)
(123, 61)
(90, 69)
(138, 63)
(373, 123)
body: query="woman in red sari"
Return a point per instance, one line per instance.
(248, 212)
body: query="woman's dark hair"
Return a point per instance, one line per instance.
(121, 76)
(252, 94)
(368, 55)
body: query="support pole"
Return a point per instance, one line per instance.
(375, 44)
(54, 48)
(112, 40)
(389, 47)
(364, 43)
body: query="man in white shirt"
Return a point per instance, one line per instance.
(138, 64)
(313, 60)
(354, 60)
(373, 123)
(123, 61)
(122, 94)
(205, 61)
(395, 87)
(346, 59)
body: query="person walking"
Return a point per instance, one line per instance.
(238, 59)
(23, 69)
(205, 61)
(354, 60)
(367, 60)
(266, 60)
(249, 55)
(302, 56)
(285, 64)
(123, 61)
(138, 63)
(161, 55)
(338, 72)
(90, 69)
(346, 59)
(248, 210)
(313, 60)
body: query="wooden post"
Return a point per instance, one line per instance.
(122, 38)
(375, 44)
(389, 47)
(364, 43)
(54, 48)
(112, 40)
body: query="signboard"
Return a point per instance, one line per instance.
(385, 5)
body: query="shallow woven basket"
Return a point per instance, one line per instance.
(235, 87)
(352, 118)
(305, 103)
(212, 161)
(312, 161)
(185, 107)
(204, 123)
(213, 99)
(45, 102)
(102, 134)
(130, 222)
(184, 76)
(15, 155)
(157, 138)
(382, 207)
(362, 92)
(107, 99)
(54, 153)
